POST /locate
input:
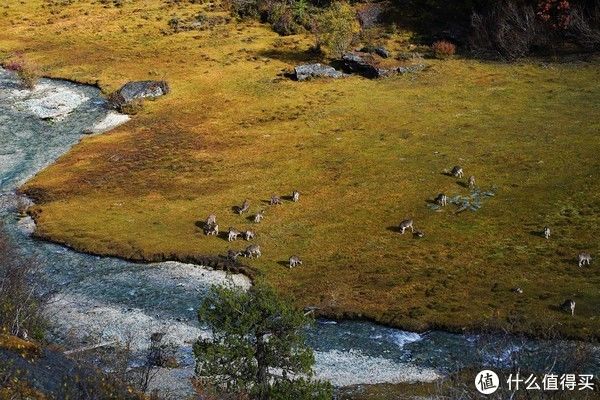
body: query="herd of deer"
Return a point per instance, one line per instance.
(212, 228)
(442, 200)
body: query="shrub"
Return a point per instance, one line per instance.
(26, 72)
(20, 305)
(507, 30)
(335, 29)
(443, 49)
(287, 17)
(283, 21)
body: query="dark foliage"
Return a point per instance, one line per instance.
(254, 333)
(20, 303)
(506, 29)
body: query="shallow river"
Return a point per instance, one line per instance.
(103, 299)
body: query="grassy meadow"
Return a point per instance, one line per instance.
(365, 154)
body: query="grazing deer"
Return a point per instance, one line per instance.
(407, 223)
(244, 207)
(211, 220)
(471, 182)
(249, 235)
(232, 255)
(233, 234)
(518, 290)
(275, 200)
(441, 199)
(258, 217)
(546, 232)
(584, 259)
(568, 306)
(457, 171)
(252, 251)
(295, 196)
(295, 261)
(418, 234)
(211, 230)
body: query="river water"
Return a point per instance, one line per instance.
(102, 299)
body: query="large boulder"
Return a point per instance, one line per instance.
(138, 90)
(310, 71)
(362, 64)
(369, 66)
(380, 51)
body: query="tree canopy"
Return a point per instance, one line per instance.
(257, 345)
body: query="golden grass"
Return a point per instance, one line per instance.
(364, 154)
(24, 347)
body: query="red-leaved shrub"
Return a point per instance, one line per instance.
(443, 49)
(25, 71)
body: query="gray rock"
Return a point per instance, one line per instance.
(358, 64)
(309, 71)
(139, 90)
(365, 65)
(381, 52)
(409, 69)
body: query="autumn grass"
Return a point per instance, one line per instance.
(18, 345)
(365, 154)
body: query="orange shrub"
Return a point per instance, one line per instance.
(443, 49)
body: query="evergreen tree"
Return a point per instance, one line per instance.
(257, 346)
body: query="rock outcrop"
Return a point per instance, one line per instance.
(362, 64)
(138, 90)
(310, 71)
(367, 65)
(380, 51)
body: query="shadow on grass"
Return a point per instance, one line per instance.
(284, 263)
(462, 184)
(291, 56)
(397, 229)
(250, 218)
(558, 308)
(537, 233)
(224, 235)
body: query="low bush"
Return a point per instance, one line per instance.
(335, 29)
(26, 71)
(443, 49)
(286, 17)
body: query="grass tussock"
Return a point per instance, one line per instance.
(364, 155)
